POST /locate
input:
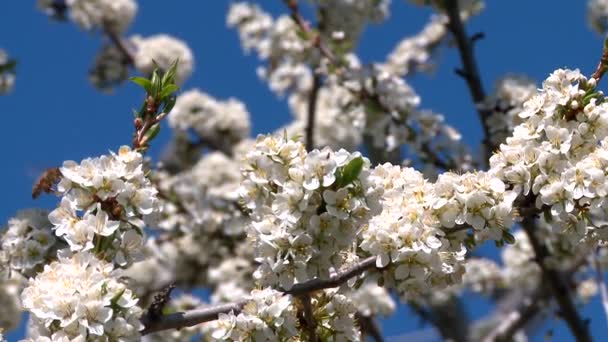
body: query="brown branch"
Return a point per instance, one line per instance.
(369, 327)
(515, 320)
(193, 317)
(120, 44)
(469, 71)
(578, 326)
(309, 318)
(190, 318)
(315, 38)
(312, 109)
(602, 65)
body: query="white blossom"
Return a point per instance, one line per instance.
(221, 122)
(28, 241)
(115, 15)
(79, 295)
(164, 50)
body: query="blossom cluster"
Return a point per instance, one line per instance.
(115, 199)
(77, 296)
(306, 208)
(372, 300)
(221, 122)
(346, 19)
(417, 235)
(269, 315)
(114, 15)
(597, 15)
(28, 241)
(505, 104)
(202, 208)
(557, 156)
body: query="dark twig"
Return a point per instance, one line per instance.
(120, 44)
(559, 288)
(190, 318)
(312, 109)
(469, 71)
(193, 317)
(311, 324)
(602, 66)
(369, 327)
(513, 321)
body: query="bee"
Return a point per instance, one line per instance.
(46, 181)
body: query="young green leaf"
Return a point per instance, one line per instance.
(351, 171)
(142, 82)
(152, 132)
(168, 90)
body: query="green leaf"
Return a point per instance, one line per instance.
(142, 81)
(168, 90)
(152, 132)
(169, 76)
(351, 171)
(169, 103)
(155, 83)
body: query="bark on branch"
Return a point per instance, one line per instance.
(193, 317)
(578, 326)
(470, 70)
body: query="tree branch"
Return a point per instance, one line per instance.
(369, 327)
(602, 65)
(311, 325)
(312, 109)
(469, 71)
(120, 44)
(513, 321)
(193, 317)
(553, 279)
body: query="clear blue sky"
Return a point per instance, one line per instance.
(54, 114)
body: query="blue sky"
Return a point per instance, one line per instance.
(54, 114)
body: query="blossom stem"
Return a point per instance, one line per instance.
(578, 326)
(189, 318)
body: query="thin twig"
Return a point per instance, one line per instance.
(120, 44)
(469, 71)
(193, 317)
(369, 327)
(312, 109)
(512, 322)
(602, 65)
(578, 326)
